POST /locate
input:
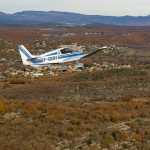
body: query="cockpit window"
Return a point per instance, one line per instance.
(66, 50)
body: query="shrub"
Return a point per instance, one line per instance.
(18, 81)
(119, 135)
(55, 118)
(5, 85)
(17, 121)
(108, 139)
(2, 107)
(115, 116)
(137, 137)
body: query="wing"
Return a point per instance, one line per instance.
(84, 55)
(94, 52)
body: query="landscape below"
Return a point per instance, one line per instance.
(106, 105)
(74, 125)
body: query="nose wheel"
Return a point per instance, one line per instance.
(79, 65)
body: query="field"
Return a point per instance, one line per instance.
(104, 106)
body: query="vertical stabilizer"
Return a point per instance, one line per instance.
(25, 55)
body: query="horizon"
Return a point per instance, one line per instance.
(72, 12)
(90, 7)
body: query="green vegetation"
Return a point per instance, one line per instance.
(28, 122)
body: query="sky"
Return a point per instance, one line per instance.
(93, 7)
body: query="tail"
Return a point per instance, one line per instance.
(25, 54)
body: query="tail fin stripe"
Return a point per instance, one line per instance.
(24, 52)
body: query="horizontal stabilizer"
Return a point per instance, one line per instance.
(34, 58)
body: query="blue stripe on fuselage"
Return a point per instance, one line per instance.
(55, 53)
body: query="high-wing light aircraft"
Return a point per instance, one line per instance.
(58, 56)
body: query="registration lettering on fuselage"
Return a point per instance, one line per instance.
(52, 58)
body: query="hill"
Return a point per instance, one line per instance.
(54, 17)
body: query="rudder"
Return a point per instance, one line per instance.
(25, 54)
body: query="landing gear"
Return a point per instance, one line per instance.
(24, 69)
(79, 65)
(63, 67)
(49, 67)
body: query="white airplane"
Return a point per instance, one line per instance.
(58, 56)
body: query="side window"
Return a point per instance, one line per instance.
(66, 50)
